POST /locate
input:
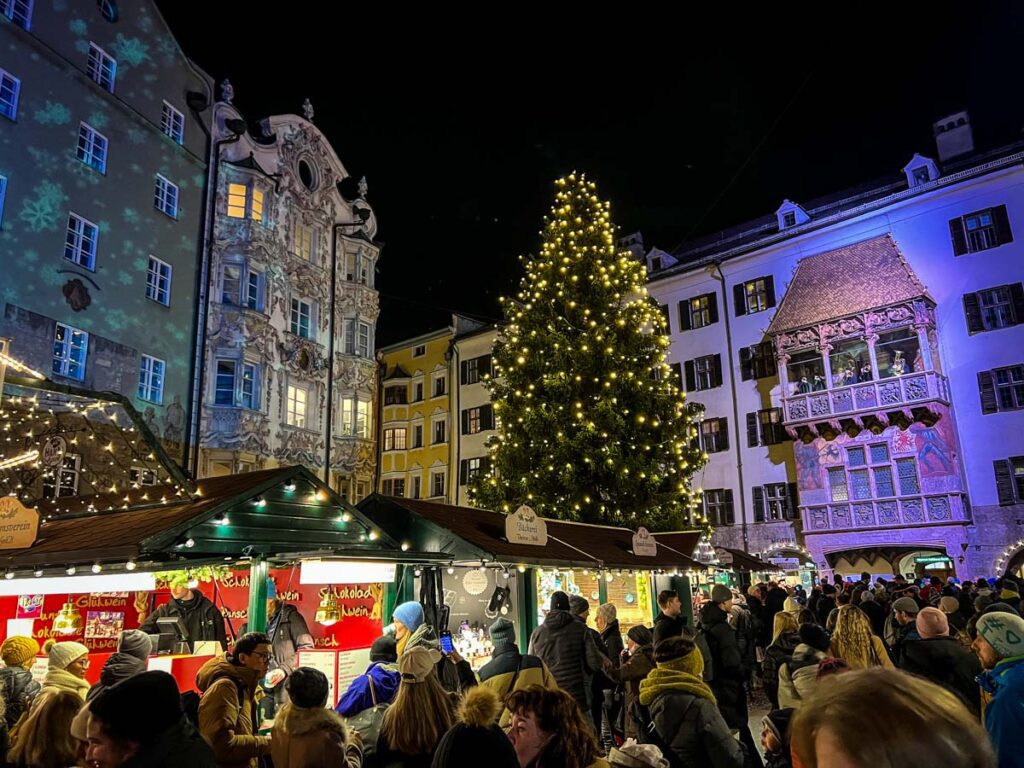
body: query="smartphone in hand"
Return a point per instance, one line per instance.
(447, 646)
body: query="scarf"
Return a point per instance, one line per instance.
(683, 674)
(65, 681)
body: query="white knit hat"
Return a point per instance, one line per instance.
(63, 654)
(633, 755)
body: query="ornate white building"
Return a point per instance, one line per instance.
(290, 284)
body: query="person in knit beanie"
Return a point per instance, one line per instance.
(634, 755)
(931, 622)
(68, 662)
(637, 662)
(407, 619)
(939, 657)
(951, 606)
(131, 658)
(475, 736)
(509, 670)
(18, 688)
(775, 738)
(1000, 647)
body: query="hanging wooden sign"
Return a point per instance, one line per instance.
(524, 527)
(644, 544)
(19, 525)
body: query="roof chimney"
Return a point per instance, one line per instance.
(953, 135)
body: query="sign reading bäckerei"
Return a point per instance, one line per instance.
(524, 527)
(19, 525)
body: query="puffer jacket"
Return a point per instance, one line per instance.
(498, 673)
(631, 673)
(359, 696)
(947, 663)
(693, 728)
(1004, 716)
(781, 650)
(180, 746)
(19, 690)
(727, 665)
(227, 723)
(612, 639)
(120, 666)
(312, 738)
(798, 676)
(563, 643)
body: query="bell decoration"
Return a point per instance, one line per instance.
(329, 612)
(68, 621)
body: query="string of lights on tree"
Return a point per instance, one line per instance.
(592, 424)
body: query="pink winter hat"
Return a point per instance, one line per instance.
(931, 622)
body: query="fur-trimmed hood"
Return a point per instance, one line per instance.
(298, 721)
(480, 707)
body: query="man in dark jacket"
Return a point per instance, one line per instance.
(904, 611)
(131, 658)
(875, 612)
(727, 666)
(671, 613)
(563, 643)
(636, 664)
(826, 603)
(595, 679)
(942, 659)
(201, 617)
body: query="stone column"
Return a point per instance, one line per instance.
(871, 338)
(825, 350)
(926, 348)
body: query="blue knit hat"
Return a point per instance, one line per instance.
(410, 614)
(271, 589)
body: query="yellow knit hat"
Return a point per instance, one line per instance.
(18, 649)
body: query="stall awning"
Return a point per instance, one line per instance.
(742, 561)
(613, 547)
(282, 512)
(681, 541)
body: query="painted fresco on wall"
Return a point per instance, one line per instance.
(936, 449)
(808, 467)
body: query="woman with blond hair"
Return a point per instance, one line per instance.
(855, 643)
(930, 725)
(785, 639)
(44, 737)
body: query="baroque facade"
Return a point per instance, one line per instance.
(289, 371)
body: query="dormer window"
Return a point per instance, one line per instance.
(656, 264)
(920, 170)
(791, 215)
(789, 219)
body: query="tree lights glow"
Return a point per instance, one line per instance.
(592, 424)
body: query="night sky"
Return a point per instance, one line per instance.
(687, 124)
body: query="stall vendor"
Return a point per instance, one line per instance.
(288, 633)
(201, 617)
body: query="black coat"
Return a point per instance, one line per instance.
(695, 731)
(19, 689)
(180, 746)
(727, 665)
(120, 666)
(670, 626)
(564, 644)
(202, 618)
(947, 663)
(779, 651)
(826, 604)
(876, 614)
(612, 639)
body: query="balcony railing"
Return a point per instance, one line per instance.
(885, 513)
(867, 397)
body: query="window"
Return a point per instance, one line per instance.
(357, 338)
(254, 291)
(718, 506)
(806, 372)
(475, 420)
(850, 362)
(898, 352)
(80, 242)
(237, 194)
(101, 68)
(19, 11)
(437, 484)
(64, 482)
(172, 123)
(416, 483)
(394, 486)
(703, 373)
(417, 436)
(698, 312)
(439, 386)
(775, 501)
(1010, 480)
(300, 323)
(231, 285)
(655, 263)
(1002, 389)
(754, 295)
(419, 351)
(764, 427)
(358, 268)
(906, 471)
(469, 469)
(250, 386)
(158, 281)
(440, 427)
(142, 476)
(980, 230)
(303, 242)
(165, 197)
(994, 308)
(394, 439)
(395, 395)
(417, 389)
(355, 417)
(70, 347)
(151, 379)
(295, 413)
(362, 418)
(757, 361)
(92, 148)
(715, 435)
(3, 196)
(837, 484)
(256, 210)
(224, 389)
(921, 175)
(475, 369)
(10, 87)
(789, 219)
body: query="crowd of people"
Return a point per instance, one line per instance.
(940, 664)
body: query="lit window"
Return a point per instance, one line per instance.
(300, 318)
(80, 242)
(756, 294)
(394, 439)
(19, 11)
(237, 194)
(250, 383)
(92, 148)
(348, 407)
(70, 347)
(257, 205)
(158, 281)
(437, 484)
(142, 476)
(151, 379)
(10, 87)
(165, 197)
(63, 482)
(101, 68)
(172, 123)
(296, 406)
(362, 418)
(302, 242)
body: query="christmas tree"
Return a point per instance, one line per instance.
(592, 424)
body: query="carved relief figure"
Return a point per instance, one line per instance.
(174, 421)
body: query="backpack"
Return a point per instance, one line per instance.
(368, 722)
(649, 734)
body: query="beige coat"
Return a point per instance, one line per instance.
(312, 738)
(226, 723)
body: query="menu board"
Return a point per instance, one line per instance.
(326, 662)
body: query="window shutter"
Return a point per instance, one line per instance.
(746, 365)
(677, 371)
(691, 377)
(668, 317)
(684, 315)
(712, 308)
(1004, 482)
(769, 288)
(463, 372)
(987, 388)
(794, 502)
(465, 422)
(463, 471)
(485, 365)
(752, 429)
(956, 231)
(1017, 302)
(723, 434)
(758, 493)
(487, 416)
(1003, 230)
(730, 514)
(739, 299)
(717, 372)
(972, 310)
